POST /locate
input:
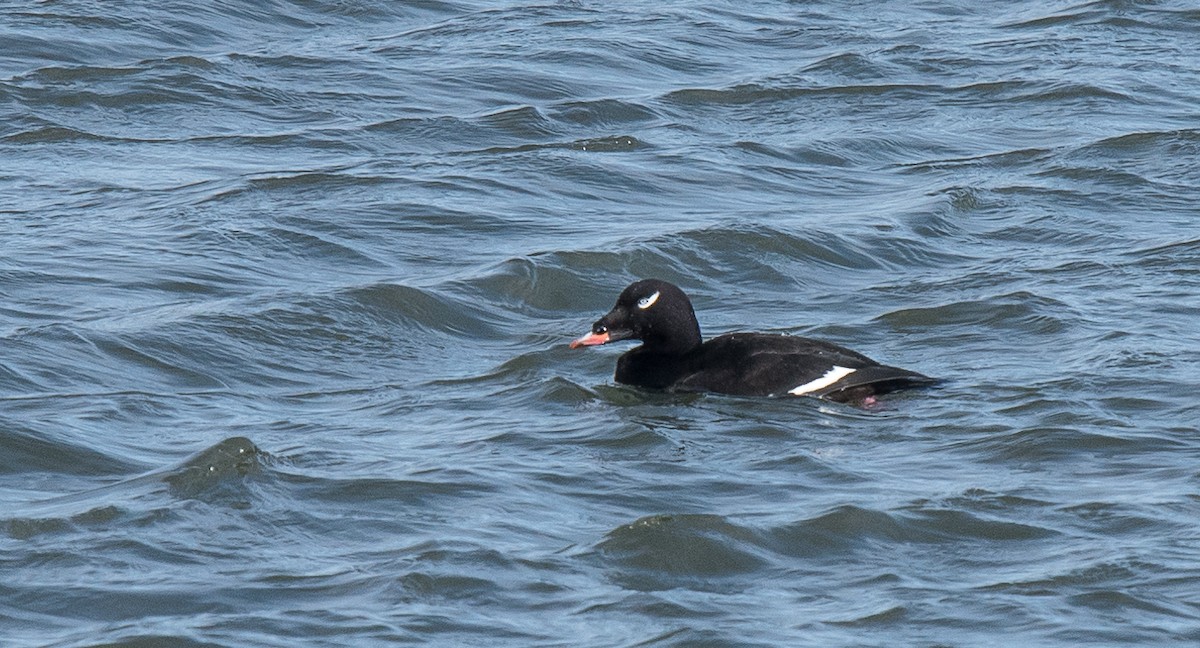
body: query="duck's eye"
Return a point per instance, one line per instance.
(648, 301)
(599, 329)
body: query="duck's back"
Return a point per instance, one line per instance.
(761, 364)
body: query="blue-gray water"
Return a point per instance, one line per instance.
(286, 287)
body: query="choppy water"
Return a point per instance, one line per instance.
(286, 288)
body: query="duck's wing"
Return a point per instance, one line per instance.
(754, 364)
(872, 381)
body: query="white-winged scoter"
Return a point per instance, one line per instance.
(674, 357)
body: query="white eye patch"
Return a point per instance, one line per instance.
(647, 302)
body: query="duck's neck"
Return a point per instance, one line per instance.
(681, 338)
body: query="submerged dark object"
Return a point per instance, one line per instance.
(198, 474)
(674, 357)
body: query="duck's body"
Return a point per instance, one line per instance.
(674, 357)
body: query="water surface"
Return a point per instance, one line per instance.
(286, 289)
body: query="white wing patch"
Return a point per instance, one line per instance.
(647, 302)
(833, 375)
